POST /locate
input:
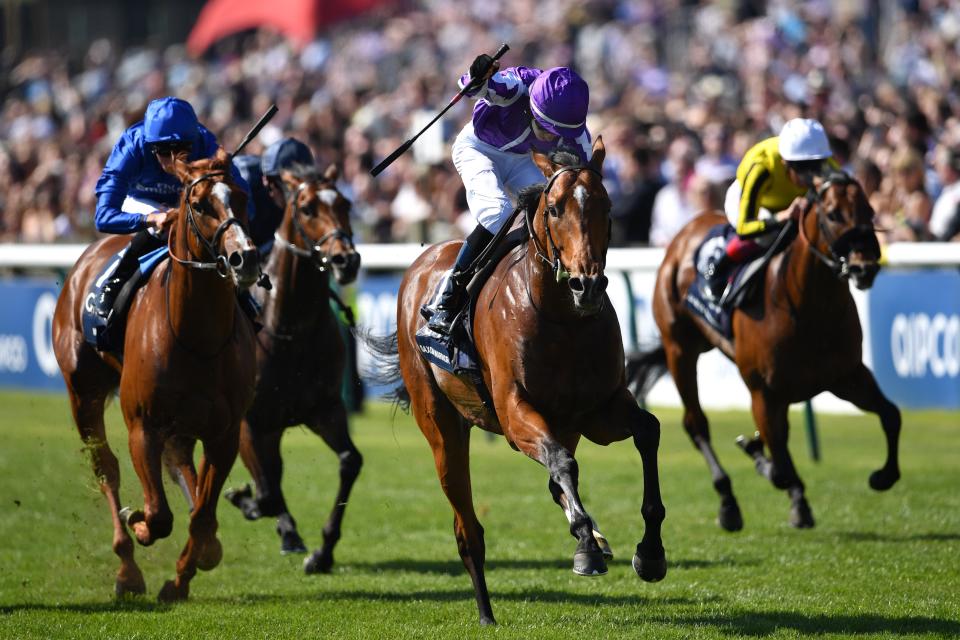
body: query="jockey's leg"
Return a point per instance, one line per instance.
(446, 302)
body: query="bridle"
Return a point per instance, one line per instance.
(220, 263)
(838, 247)
(556, 265)
(316, 253)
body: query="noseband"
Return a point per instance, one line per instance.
(556, 265)
(220, 264)
(316, 253)
(837, 246)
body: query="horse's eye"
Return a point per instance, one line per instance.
(835, 215)
(553, 211)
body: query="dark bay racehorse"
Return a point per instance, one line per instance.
(552, 359)
(187, 371)
(803, 337)
(300, 357)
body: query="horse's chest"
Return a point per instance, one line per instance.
(571, 377)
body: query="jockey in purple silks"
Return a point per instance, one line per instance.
(518, 110)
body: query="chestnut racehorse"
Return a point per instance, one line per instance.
(801, 338)
(552, 359)
(187, 371)
(300, 357)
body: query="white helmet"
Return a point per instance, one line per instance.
(804, 139)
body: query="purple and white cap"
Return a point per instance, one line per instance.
(559, 99)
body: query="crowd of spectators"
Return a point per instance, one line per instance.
(679, 90)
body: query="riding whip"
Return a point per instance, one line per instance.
(406, 145)
(261, 123)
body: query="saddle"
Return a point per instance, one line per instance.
(96, 331)
(743, 290)
(457, 352)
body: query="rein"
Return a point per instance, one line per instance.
(219, 263)
(556, 265)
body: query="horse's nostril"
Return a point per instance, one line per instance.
(236, 260)
(338, 260)
(602, 283)
(576, 285)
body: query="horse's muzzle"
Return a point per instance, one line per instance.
(345, 266)
(245, 266)
(862, 274)
(588, 292)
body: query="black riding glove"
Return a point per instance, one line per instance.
(479, 68)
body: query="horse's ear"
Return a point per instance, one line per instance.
(222, 157)
(599, 153)
(543, 162)
(332, 173)
(180, 168)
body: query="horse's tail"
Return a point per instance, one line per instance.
(385, 370)
(644, 368)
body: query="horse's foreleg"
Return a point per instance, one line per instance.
(861, 389)
(558, 496)
(203, 550)
(683, 369)
(334, 430)
(530, 432)
(770, 415)
(260, 452)
(146, 451)
(88, 415)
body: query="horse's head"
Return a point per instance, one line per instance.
(847, 240)
(213, 214)
(572, 228)
(320, 214)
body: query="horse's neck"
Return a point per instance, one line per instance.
(810, 283)
(543, 289)
(201, 304)
(301, 292)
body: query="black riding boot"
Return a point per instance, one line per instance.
(717, 277)
(446, 302)
(142, 243)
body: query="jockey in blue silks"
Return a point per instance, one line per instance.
(138, 187)
(519, 110)
(263, 174)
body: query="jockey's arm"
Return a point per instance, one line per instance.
(748, 223)
(122, 166)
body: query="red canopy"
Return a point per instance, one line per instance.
(296, 19)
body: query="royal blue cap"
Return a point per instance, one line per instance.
(284, 155)
(170, 120)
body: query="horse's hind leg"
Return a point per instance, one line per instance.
(334, 430)
(203, 550)
(861, 389)
(88, 415)
(449, 438)
(771, 418)
(683, 367)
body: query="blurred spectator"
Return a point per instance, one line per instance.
(945, 219)
(673, 206)
(903, 205)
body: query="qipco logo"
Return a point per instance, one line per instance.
(919, 343)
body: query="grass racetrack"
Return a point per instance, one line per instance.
(877, 565)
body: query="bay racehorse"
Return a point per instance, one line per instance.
(801, 337)
(300, 357)
(552, 360)
(187, 372)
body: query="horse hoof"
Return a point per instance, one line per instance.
(801, 517)
(211, 555)
(172, 593)
(604, 545)
(291, 542)
(130, 583)
(881, 480)
(752, 447)
(488, 621)
(729, 518)
(317, 563)
(650, 569)
(589, 563)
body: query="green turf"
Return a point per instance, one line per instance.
(877, 565)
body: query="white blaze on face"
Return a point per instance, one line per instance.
(222, 192)
(327, 196)
(580, 194)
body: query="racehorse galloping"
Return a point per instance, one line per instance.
(187, 371)
(803, 338)
(552, 360)
(300, 357)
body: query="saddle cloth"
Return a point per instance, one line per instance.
(94, 320)
(742, 278)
